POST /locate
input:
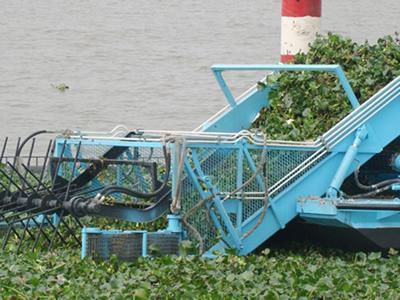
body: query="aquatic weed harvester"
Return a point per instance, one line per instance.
(221, 185)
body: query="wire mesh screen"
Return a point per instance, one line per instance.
(129, 245)
(228, 169)
(137, 168)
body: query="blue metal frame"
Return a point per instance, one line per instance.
(318, 211)
(335, 69)
(365, 133)
(241, 113)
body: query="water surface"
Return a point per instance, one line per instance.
(144, 63)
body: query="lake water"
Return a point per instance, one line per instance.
(144, 63)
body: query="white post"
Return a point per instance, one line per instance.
(301, 21)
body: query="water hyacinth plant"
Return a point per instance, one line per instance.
(303, 272)
(303, 105)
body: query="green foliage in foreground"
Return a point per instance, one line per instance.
(309, 272)
(304, 105)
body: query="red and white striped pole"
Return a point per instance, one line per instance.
(301, 21)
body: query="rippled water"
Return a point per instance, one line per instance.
(144, 63)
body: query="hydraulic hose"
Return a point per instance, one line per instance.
(372, 189)
(119, 189)
(36, 133)
(373, 186)
(372, 193)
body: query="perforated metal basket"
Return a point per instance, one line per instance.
(127, 245)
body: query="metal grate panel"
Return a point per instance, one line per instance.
(129, 245)
(136, 168)
(221, 166)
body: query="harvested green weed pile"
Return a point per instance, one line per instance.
(304, 104)
(283, 274)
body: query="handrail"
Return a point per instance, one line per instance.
(336, 69)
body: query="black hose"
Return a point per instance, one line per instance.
(372, 193)
(36, 133)
(119, 189)
(373, 186)
(373, 189)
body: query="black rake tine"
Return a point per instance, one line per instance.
(28, 184)
(13, 208)
(5, 188)
(31, 151)
(7, 205)
(15, 158)
(18, 213)
(16, 150)
(55, 230)
(42, 231)
(77, 221)
(26, 229)
(52, 226)
(11, 227)
(65, 199)
(23, 178)
(40, 182)
(47, 211)
(12, 182)
(65, 224)
(73, 171)
(35, 177)
(46, 158)
(71, 232)
(38, 234)
(59, 163)
(4, 149)
(7, 237)
(21, 239)
(29, 163)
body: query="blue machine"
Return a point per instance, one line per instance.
(222, 186)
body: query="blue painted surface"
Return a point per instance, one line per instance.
(174, 223)
(348, 160)
(335, 69)
(317, 181)
(326, 213)
(352, 142)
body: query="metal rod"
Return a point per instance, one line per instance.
(46, 159)
(11, 227)
(4, 149)
(13, 209)
(12, 181)
(40, 230)
(58, 164)
(48, 211)
(15, 158)
(55, 231)
(71, 232)
(72, 172)
(41, 183)
(38, 234)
